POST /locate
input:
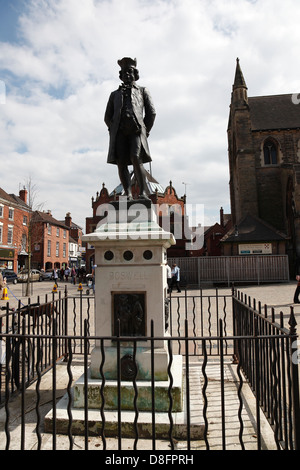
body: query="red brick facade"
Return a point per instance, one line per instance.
(50, 242)
(14, 221)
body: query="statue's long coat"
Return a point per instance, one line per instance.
(144, 111)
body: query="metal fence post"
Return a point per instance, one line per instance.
(234, 326)
(65, 310)
(295, 379)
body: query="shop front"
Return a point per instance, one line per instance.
(7, 258)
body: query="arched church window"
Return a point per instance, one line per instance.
(270, 153)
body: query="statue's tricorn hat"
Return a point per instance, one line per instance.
(127, 62)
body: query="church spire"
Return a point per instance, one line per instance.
(239, 88)
(239, 80)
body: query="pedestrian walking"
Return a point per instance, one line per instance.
(67, 274)
(73, 275)
(169, 277)
(297, 291)
(94, 276)
(55, 276)
(175, 278)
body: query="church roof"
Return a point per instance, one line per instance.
(252, 229)
(274, 112)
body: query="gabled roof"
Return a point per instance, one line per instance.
(13, 199)
(274, 112)
(253, 229)
(46, 217)
(5, 196)
(19, 201)
(73, 225)
(213, 228)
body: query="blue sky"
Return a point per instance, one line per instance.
(58, 61)
(8, 19)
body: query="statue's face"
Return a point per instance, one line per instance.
(128, 75)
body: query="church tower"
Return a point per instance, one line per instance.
(243, 191)
(264, 163)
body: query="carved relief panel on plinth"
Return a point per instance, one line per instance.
(130, 313)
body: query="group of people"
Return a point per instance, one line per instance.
(66, 273)
(173, 277)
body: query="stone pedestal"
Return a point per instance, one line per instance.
(130, 288)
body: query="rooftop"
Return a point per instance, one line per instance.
(252, 229)
(274, 112)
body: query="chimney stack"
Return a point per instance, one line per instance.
(68, 219)
(23, 194)
(222, 217)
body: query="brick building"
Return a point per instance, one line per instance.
(14, 220)
(50, 241)
(75, 241)
(264, 162)
(171, 214)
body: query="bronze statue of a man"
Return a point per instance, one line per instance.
(129, 116)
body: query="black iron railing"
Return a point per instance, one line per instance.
(203, 310)
(270, 364)
(206, 329)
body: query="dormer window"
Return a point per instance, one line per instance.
(270, 153)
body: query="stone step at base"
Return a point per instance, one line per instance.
(177, 425)
(127, 392)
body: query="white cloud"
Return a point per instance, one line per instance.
(59, 75)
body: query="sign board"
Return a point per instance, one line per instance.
(256, 249)
(7, 253)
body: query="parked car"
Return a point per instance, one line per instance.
(35, 275)
(10, 275)
(47, 275)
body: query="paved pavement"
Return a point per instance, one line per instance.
(277, 296)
